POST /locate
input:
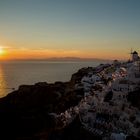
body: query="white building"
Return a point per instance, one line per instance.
(123, 85)
(134, 72)
(121, 88)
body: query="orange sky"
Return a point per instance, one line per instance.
(102, 49)
(23, 53)
(40, 29)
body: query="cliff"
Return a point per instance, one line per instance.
(24, 113)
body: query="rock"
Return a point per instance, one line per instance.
(41, 84)
(24, 112)
(76, 77)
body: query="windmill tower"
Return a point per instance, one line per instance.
(131, 54)
(135, 56)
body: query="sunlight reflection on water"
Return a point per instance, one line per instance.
(13, 74)
(3, 86)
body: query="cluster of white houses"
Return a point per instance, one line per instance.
(113, 117)
(130, 82)
(125, 79)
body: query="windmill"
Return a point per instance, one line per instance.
(131, 52)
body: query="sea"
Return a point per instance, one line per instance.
(16, 73)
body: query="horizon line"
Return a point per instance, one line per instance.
(60, 59)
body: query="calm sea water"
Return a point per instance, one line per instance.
(15, 73)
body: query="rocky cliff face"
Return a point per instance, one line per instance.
(76, 77)
(25, 113)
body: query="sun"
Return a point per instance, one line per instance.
(1, 51)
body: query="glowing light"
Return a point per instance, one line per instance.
(1, 50)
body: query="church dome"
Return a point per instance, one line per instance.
(134, 52)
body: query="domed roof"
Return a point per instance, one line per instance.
(134, 52)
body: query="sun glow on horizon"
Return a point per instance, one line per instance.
(9, 53)
(1, 51)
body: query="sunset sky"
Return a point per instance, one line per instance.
(105, 29)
